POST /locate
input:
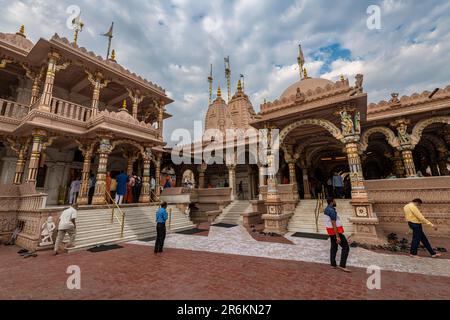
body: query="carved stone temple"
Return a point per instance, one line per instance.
(66, 112)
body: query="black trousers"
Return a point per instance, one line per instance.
(160, 237)
(334, 249)
(418, 237)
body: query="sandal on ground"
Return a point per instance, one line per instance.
(437, 255)
(344, 269)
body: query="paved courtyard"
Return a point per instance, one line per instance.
(226, 264)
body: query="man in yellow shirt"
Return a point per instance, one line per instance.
(415, 220)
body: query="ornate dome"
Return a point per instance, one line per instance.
(218, 116)
(18, 40)
(241, 109)
(305, 85)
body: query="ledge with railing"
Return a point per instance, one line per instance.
(70, 110)
(13, 110)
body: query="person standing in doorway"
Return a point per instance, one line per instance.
(92, 182)
(122, 180)
(130, 187)
(338, 185)
(74, 190)
(137, 188)
(152, 187)
(336, 232)
(113, 189)
(240, 191)
(66, 225)
(415, 220)
(108, 186)
(161, 218)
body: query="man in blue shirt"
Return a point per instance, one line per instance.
(161, 218)
(122, 180)
(338, 185)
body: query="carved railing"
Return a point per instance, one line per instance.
(10, 109)
(70, 110)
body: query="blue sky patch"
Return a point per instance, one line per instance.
(329, 54)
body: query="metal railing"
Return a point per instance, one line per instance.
(113, 214)
(319, 207)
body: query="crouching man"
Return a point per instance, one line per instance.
(68, 226)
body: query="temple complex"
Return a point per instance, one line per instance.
(66, 112)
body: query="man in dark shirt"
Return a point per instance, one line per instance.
(336, 233)
(161, 218)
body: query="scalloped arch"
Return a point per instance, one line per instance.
(388, 133)
(327, 125)
(421, 125)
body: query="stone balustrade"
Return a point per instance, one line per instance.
(70, 110)
(14, 110)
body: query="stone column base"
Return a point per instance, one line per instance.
(276, 223)
(97, 200)
(365, 222)
(82, 200)
(145, 198)
(367, 231)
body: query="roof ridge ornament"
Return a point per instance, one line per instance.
(301, 61)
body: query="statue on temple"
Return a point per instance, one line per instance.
(47, 232)
(403, 135)
(299, 96)
(347, 123)
(394, 98)
(358, 88)
(357, 122)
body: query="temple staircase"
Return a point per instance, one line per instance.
(232, 213)
(94, 226)
(304, 218)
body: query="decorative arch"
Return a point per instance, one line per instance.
(127, 141)
(301, 147)
(327, 125)
(318, 150)
(436, 141)
(421, 125)
(388, 133)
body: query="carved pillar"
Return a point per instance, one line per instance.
(306, 188)
(36, 87)
(442, 162)
(201, 175)
(292, 173)
(158, 174)
(100, 187)
(87, 149)
(408, 162)
(145, 192)
(399, 169)
(21, 148)
(261, 179)
(52, 68)
(98, 83)
(38, 138)
(161, 120)
(232, 179)
(364, 219)
(136, 99)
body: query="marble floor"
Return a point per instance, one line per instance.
(238, 241)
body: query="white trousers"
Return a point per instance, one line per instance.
(119, 199)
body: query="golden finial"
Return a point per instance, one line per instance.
(21, 31)
(342, 78)
(305, 73)
(113, 55)
(239, 86)
(124, 105)
(219, 92)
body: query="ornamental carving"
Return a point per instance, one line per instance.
(330, 127)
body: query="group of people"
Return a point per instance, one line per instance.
(122, 188)
(413, 217)
(335, 186)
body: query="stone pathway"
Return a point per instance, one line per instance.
(239, 242)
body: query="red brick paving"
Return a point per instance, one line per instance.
(134, 272)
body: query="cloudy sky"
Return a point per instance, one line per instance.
(172, 43)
